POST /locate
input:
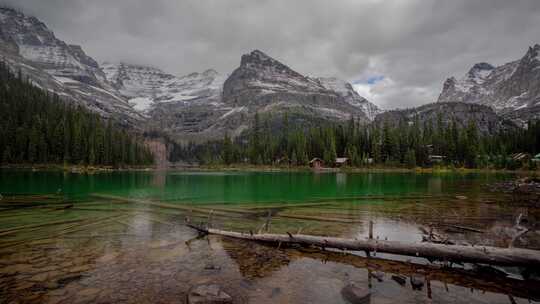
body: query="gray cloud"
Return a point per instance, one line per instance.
(415, 44)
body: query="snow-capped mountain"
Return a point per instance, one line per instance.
(147, 86)
(26, 44)
(261, 85)
(512, 89)
(198, 106)
(345, 90)
(266, 84)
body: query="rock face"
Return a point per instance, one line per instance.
(512, 89)
(264, 84)
(26, 44)
(208, 294)
(487, 121)
(356, 295)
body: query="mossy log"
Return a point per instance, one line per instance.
(451, 253)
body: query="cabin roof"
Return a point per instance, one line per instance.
(315, 159)
(519, 156)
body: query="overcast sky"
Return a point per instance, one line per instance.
(398, 53)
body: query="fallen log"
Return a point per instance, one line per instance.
(70, 229)
(163, 205)
(286, 205)
(223, 211)
(451, 253)
(451, 275)
(318, 218)
(470, 229)
(14, 230)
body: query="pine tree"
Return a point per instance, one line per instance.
(410, 158)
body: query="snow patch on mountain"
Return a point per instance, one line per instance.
(156, 86)
(26, 44)
(346, 90)
(141, 104)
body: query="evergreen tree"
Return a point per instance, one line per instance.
(38, 127)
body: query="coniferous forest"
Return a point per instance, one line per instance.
(402, 145)
(36, 127)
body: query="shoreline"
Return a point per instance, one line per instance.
(85, 169)
(89, 169)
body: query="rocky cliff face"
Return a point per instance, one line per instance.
(264, 84)
(512, 90)
(29, 46)
(268, 87)
(487, 121)
(349, 95)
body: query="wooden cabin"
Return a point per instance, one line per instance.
(316, 163)
(283, 161)
(341, 162)
(521, 157)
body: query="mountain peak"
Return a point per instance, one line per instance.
(533, 52)
(260, 54)
(210, 73)
(479, 72)
(257, 57)
(482, 66)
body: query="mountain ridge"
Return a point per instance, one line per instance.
(197, 106)
(510, 89)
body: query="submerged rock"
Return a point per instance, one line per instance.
(417, 282)
(379, 275)
(208, 294)
(212, 267)
(356, 294)
(401, 280)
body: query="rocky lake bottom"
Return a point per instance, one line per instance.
(101, 248)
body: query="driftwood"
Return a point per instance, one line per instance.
(163, 205)
(466, 278)
(76, 227)
(286, 205)
(317, 218)
(451, 253)
(19, 228)
(463, 228)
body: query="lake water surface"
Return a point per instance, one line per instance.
(74, 238)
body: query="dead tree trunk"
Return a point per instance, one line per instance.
(451, 253)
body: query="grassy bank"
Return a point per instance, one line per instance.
(84, 169)
(381, 168)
